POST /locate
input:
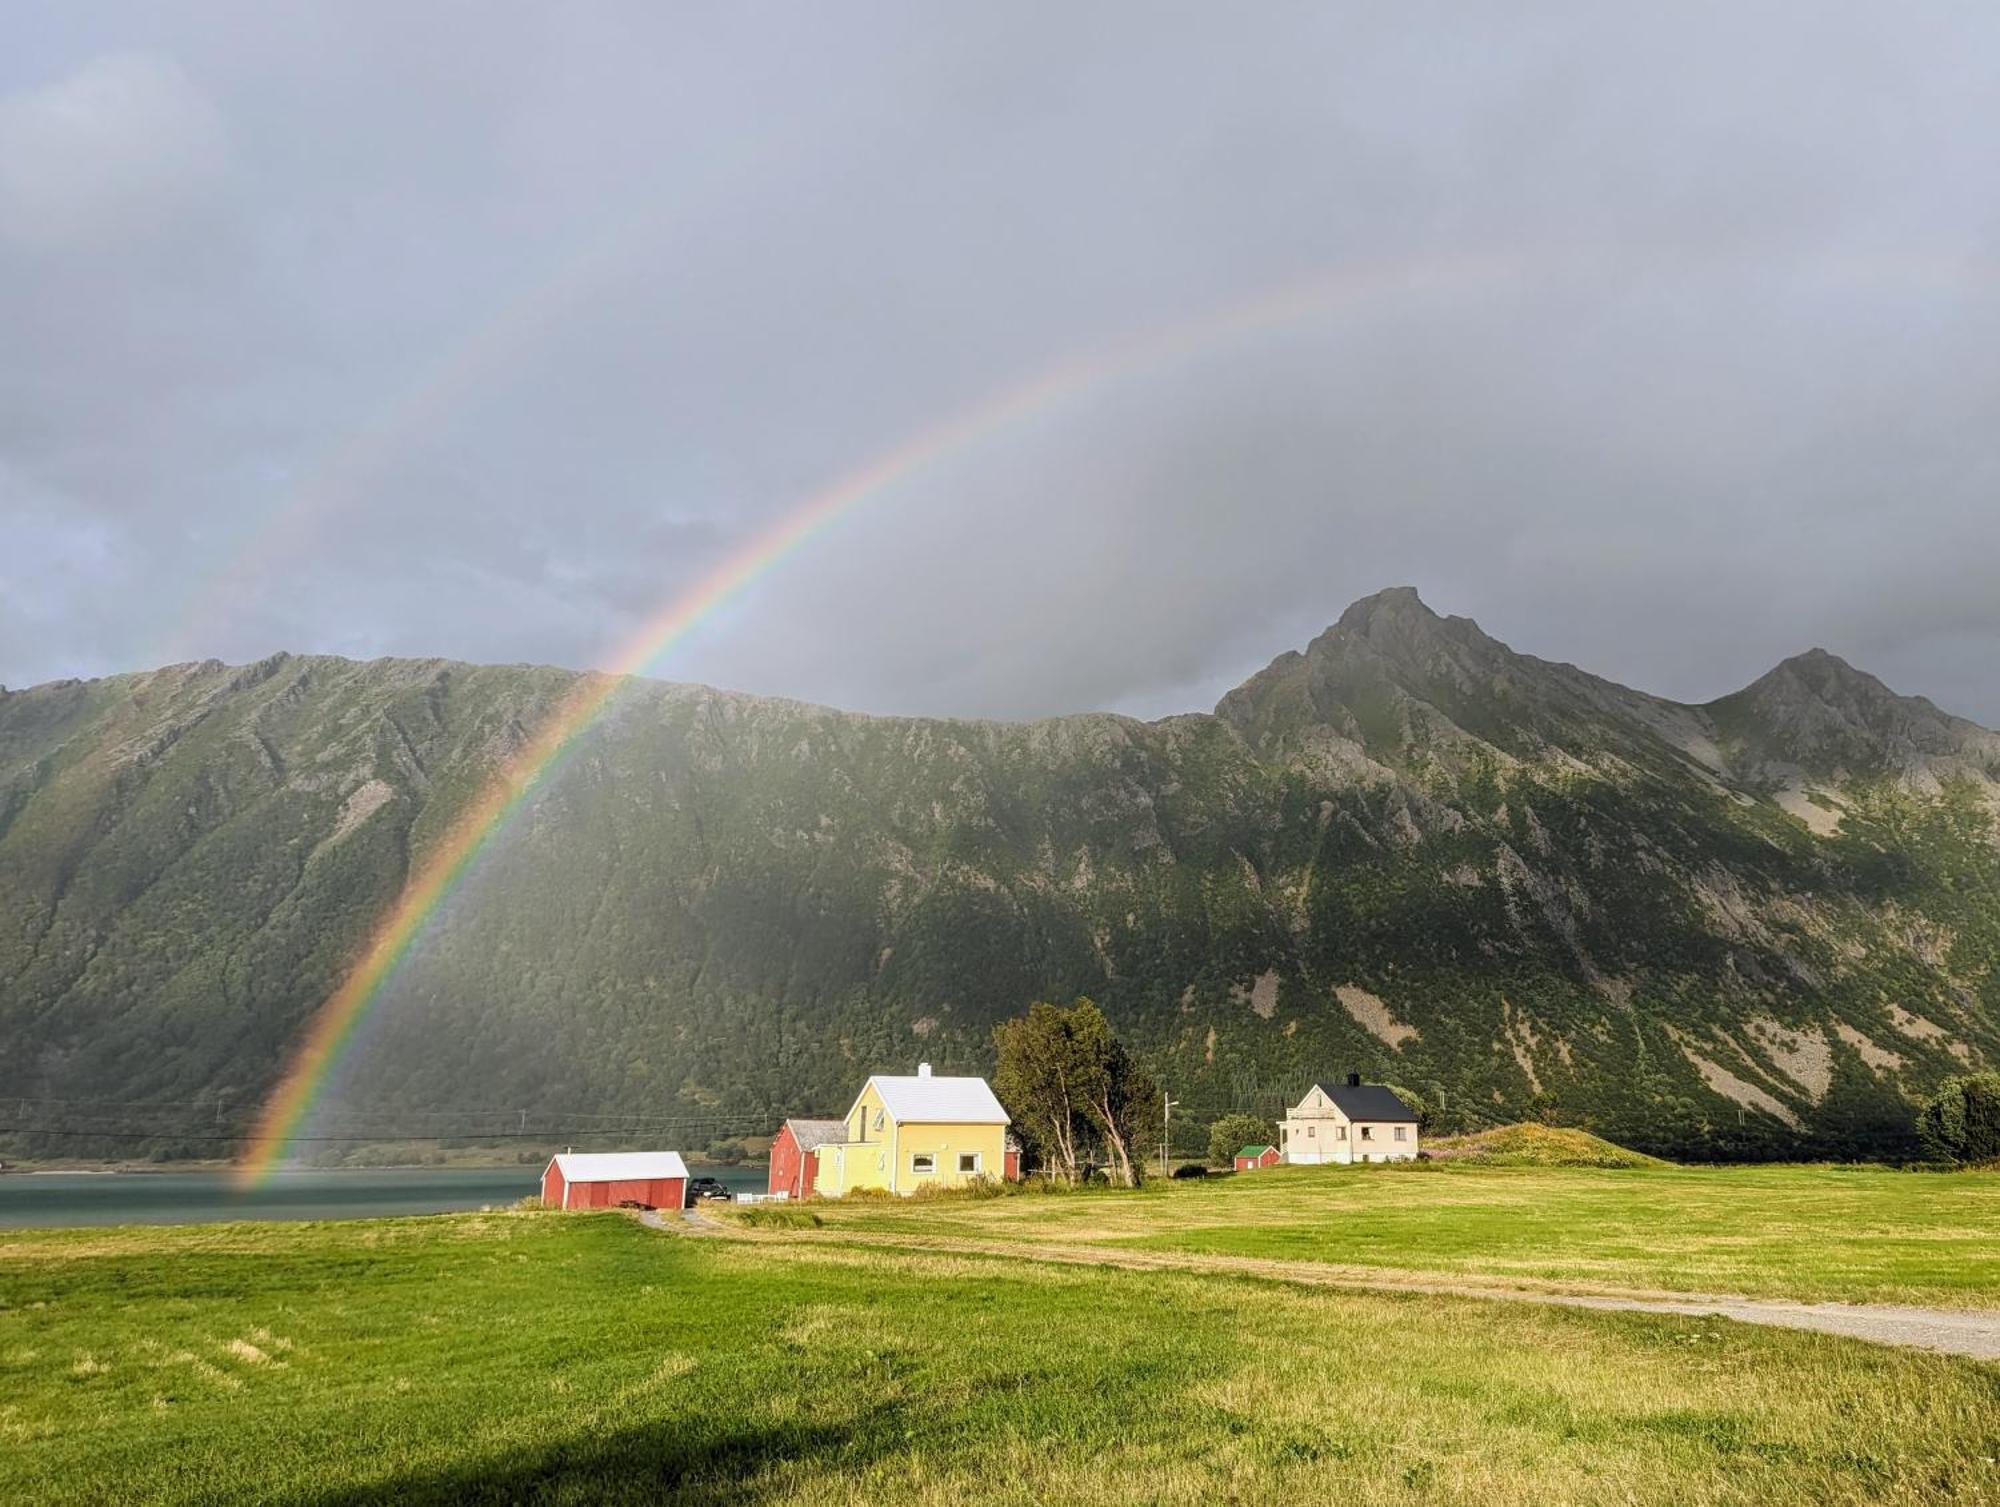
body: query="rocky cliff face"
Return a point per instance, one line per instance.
(1745, 928)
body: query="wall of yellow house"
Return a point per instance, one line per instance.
(947, 1146)
(866, 1158)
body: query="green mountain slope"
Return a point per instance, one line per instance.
(1747, 928)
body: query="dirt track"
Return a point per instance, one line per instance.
(1949, 1331)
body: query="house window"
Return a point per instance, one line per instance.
(1340, 1132)
(968, 1161)
(1402, 1132)
(1311, 1131)
(1368, 1132)
(922, 1162)
(878, 1119)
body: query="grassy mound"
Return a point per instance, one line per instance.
(1538, 1146)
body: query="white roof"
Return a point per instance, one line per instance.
(618, 1166)
(952, 1101)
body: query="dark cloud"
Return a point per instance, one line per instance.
(486, 331)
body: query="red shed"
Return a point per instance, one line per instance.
(792, 1159)
(1250, 1158)
(604, 1180)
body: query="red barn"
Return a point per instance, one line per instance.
(604, 1180)
(1250, 1158)
(792, 1159)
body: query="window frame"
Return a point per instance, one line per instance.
(918, 1158)
(975, 1169)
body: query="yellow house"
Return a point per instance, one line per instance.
(908, 1133)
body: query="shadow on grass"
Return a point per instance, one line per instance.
(680, 1460)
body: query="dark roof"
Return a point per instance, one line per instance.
(1366, 1101)
(811, 1133)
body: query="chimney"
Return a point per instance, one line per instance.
(1354, 1080)
(923, 1070)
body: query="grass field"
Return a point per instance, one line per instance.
(1858, 1234)
(580, 1358)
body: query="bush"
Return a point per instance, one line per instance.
(1961, 1121)
(1232, 1133)
(1192, 1169)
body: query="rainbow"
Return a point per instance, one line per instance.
(332, 1029)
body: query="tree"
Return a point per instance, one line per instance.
(1067, 1080)
(1418, 1106)
(1232, 1133)
(1961, 1121)
(1037, 1079)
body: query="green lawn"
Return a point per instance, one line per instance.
(578, 1358)
(1856, 1234)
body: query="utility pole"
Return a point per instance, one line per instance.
(1166, 1120)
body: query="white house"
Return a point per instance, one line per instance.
(1349, 1122)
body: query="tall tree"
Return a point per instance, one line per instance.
(1038, 1079)
(1067, 1079)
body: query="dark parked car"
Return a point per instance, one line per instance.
(705, 1187)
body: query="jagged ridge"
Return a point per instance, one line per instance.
(1744, 928)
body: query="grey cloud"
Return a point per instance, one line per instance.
(486, 333)
(120, 148)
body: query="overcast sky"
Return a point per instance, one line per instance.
(1661, 339)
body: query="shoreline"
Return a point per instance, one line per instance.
(170, 1169)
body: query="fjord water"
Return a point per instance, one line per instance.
(48, 1199)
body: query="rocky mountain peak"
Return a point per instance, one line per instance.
(1819, 713)
(1391, 677)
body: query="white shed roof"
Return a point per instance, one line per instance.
(951, 1101)
(618, 1166)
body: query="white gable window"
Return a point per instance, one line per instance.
(1368, 1132)
(1402, 1132)
(968, 1162)
(1340, 1132)
(922, 1162)
(1311, 1132)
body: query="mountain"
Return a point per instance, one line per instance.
(1755, 927)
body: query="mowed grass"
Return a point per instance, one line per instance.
(1852, 1234)
(583, 1358)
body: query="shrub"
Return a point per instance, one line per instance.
(1232, 1133)
(1961, 1121)
(1192, 1169)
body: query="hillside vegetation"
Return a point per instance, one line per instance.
(1752, 928)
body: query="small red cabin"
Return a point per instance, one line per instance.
(792, 1159)
(1250, 1158)
(604, 1180)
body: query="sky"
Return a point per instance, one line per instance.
(1660, 339)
